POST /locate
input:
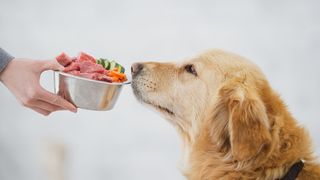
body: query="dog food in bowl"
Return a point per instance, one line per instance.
(86, 66)
(89, 83)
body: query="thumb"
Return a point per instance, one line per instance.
(52, 65)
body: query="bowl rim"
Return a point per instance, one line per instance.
(96, 81)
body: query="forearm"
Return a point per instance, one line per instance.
(5, 58)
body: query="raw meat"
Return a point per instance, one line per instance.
(86, 66)
(64, 59)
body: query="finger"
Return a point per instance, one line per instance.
(46, 106)
(56, 100)
(52, 65)
(41, 111)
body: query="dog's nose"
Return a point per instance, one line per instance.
(136, 68)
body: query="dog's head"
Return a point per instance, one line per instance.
(216, 92)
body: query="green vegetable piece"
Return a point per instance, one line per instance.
(112, 65)
(98, 61)
(102, 62)
(107, 65)
(121, 69)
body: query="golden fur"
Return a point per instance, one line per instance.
(233, 125)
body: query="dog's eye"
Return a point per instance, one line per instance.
(191, 69)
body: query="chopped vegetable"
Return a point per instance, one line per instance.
(110, 65)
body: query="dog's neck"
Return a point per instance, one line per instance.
(204, 158)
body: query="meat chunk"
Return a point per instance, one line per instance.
(85, 57)
(90, 67)
(74, 66)
(102, 77)
(64, 59)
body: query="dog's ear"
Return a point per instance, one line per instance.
(248, 124)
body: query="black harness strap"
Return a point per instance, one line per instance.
(294, 171)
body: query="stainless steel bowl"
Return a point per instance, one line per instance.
(86, 93)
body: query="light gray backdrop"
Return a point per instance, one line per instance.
(131, 142)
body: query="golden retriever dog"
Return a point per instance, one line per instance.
(232, 123)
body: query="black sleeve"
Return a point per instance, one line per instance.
(5, 58)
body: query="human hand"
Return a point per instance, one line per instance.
(22, 76)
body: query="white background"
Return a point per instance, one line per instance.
(131, 142)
